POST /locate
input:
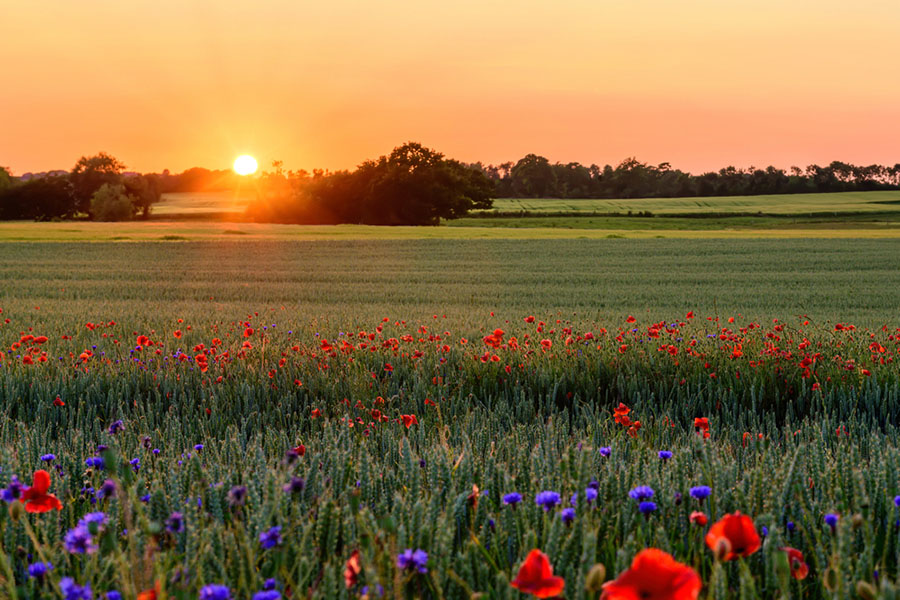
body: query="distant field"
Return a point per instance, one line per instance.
(189, 230)
(197, 204)
(358, 280)
(785, 204)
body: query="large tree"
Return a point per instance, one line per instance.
(89, 174)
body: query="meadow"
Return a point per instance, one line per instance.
(289, 418)
(836, 203)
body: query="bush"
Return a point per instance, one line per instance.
(111, 203)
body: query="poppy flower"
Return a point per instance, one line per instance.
(799, 568)
(58, 402)
(177, 333)
(352, 570)
(698, 518)
(654, 575)
(36, 498)
(738, 532)
(300, 450)
(536, 577)
(409, 420)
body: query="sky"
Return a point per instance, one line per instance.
(702, 84)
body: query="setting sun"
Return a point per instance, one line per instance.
(245, 165)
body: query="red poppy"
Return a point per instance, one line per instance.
(536, 577)
(409, 420)
(300, 450)
(58, 402)
(177, 333)
(248, 332)
(799, 568)
(352, 570)
(27, 360)
(698, 518)
(36, 498)
(739, 534)
(630, 319)
(654, 575)
(316, 413)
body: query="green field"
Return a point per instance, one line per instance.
(828, 279)
(288, 403)
(788, 204)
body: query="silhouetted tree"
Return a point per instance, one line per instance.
(89, 174)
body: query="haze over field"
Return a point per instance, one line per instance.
(701, 84)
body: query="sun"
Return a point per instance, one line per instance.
(245, 165)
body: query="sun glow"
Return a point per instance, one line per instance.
(245, 165)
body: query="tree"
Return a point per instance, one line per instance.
(5, 179)
(89, 174)
(41, 199)
(144, 191)
(533, 177)
(111, 203)
(418, 186)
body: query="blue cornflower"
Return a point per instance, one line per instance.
(701, 492)
(831, 520)
(590, 494)
(215, 591)
(13, 491)
(237, 496)
(574, 499)
(94, 519)
(605, 451)
(567, 515)
(198, 447)
(267, 595)
(135, 464)
(113, 595)
(295, 485)
(665, 455)
(271, 538)
(102, 448)
(791, 526)
(71, 591)
(641, 492)
(145, 498)
(270, 584)
(96, 461)
(39, 569)
(175, 522)
(896, 500)
(107, 490)
(116, 426)
(79, 541)
(547, 499)
(647, 508)
(512, 498)
(48, 457)
(765, 531)
(410, 559)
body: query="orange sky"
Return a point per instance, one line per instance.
(699, 83)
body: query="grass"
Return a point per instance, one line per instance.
(784, 204)
(466, 229)
(827, 279)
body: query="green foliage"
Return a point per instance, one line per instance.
(91, 173)
(414, 185)
(111, 203)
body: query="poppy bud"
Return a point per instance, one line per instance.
(15, 510)
(857, 521)
(866, 590)
(595, 578)
(831, 580)
(722, 549)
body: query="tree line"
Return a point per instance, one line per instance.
(96, 188)
(413, 185)
(536, 177)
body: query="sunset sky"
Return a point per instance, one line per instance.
(699, 83)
